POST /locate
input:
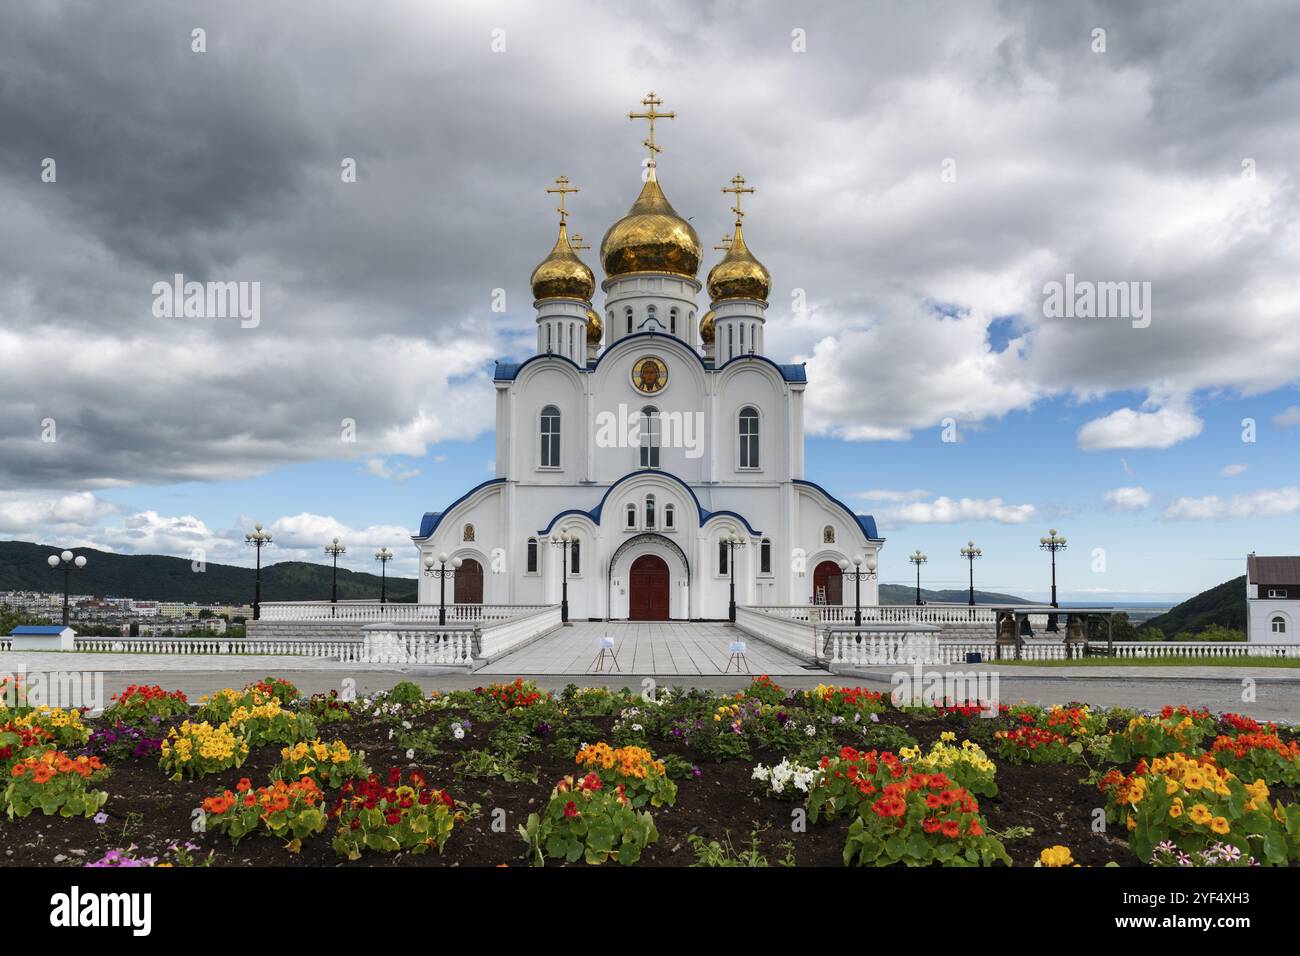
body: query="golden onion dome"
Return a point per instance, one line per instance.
(595, 327)
(739, 275)
(562, 275)
(706, 328)
(651, 238)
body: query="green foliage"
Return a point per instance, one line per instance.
(1223, 606)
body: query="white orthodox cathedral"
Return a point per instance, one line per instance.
(650, 450)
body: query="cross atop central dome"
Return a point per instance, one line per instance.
(651, 237)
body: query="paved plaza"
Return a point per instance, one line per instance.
(645, 648)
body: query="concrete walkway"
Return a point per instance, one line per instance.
(658, 648)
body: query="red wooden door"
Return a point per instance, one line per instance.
(469, 583)
(648, 589)
(827, 575)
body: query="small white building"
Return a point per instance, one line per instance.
(1272, 599)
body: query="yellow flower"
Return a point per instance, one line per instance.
(1056, 856)
(1200, 814)
(1219, 825)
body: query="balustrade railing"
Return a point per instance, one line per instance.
(373, 611)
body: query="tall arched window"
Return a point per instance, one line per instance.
(532, 556)
(670, 517)
(748, 437)
(649, 512)
(575, 557)
(1279, 625)
(549, 434)
(731, 340)
(630, 521)
(572, 354)
(548, 337)
(724, 552)
(742, 338)
(765, 556)
(649, 437)
(672, 321)
(628, 312)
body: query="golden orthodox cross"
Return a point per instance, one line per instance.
(737, 187)
(650, 102)
(563, 188)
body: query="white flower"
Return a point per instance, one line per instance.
(458, 731)
(637, 727)
(410, 755)
(810, 731)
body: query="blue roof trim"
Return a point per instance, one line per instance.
(429, 523)
(509, 371)
(595, 513)
(865, 522)
(22, 629)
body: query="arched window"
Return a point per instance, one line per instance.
(670, 517)
(731, 340)
(748, 437)
(572, 353)
(575, 557)
(631, 515)
(628, 312)
(672, 321)
(765, 556)
(532, 555)
(742, 338)
(724, 552)
(649, 512)
(1279, 625)
(468, 533)
(828, 535)
(548, 337)
(649, 437)
(549, 433)
(650, 316)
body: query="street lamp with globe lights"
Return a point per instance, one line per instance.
(383, 556)
(861, 568)
(1052, 543)
(334, 549)
(69, 561)
(970, 553)
(917, 558)
(259, 539)
(437, 568)
(564, 540)
(731, 539)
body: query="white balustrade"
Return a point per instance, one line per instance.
(392, 612)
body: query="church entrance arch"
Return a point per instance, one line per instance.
(649, 580)
(468, 583)
(828, 584)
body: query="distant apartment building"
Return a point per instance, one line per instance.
(1272, 599)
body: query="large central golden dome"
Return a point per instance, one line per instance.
(651, 238)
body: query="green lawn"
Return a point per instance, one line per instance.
(1160, 662)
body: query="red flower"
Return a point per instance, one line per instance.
(570, 809)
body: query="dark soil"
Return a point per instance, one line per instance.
(723, 803)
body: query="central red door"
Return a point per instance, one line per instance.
(648, 589)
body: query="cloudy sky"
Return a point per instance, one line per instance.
(924, 171)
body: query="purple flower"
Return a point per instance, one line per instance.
(101, 818)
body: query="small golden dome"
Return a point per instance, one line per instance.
(739, 275)
(595, 327)
(706, 328)
(562, 275)
(651, 238)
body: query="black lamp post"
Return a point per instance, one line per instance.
(335, 549)
(441, 572)
(562, 541)
(383, 556)
(859, 569)
(1052, 543)
(917, 558)
(970, 553)
(731, 539)
(69, 561)
(259, 539)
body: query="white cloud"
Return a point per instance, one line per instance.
(1126, 428)
(33, 514)
(1231, 471)
(1265, 503)
(946, 510)
(380, 468)
(1128, 499)
(882, 494)
(1289, 417)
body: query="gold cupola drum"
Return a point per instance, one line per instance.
(562, 275)
(562, 290)
(739, 275)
